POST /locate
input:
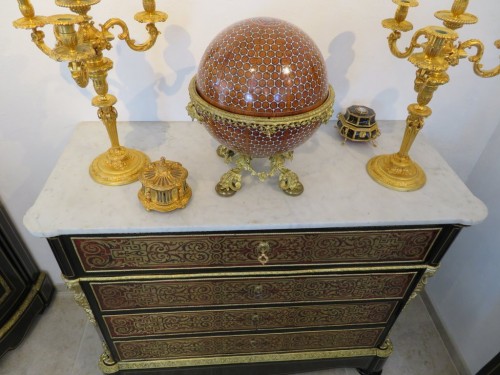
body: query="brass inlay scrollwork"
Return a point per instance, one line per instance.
(155, 252)
(168, 323)
(247, 344)
(220, 292)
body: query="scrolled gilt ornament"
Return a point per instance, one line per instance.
(476, 59)
(431, 271)
(80, 298)
(201, 109)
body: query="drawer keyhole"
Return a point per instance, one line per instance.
(262, 252)
(258, 290)
(256, 320)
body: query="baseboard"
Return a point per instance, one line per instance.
(455, 355)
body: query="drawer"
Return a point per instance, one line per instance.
(247, 344)
(247, 319)
(99, 254)
(152, 294)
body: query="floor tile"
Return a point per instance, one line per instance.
(63, 343)
(418, 348)
(52, 345)
(86, 362)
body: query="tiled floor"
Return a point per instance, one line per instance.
(63, 343)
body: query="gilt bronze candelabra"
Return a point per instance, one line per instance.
(80, 43)
(439, 50)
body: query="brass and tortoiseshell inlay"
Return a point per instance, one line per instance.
(168, 323)
(244, 250)
(237, 291)
(247, 344)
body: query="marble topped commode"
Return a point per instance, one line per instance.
(338, 191)
(260, 282)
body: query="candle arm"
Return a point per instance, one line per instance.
(38, 36)
(393, 39)
(476, 59)
(125, 35)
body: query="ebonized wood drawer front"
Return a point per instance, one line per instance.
(114, 296)
(168, 323)
(98, 254)
(13, 288)
(247, 344)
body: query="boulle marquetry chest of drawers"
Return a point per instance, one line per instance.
(256, 283)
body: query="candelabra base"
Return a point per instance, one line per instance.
(396, 172)
(118, 166)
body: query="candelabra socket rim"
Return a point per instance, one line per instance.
(453, 21)
(393, 24)
(79, 53)
(30, 22)
(435, 64)
(151, 17)
(406, 3)
(65, 19)
(440, 32)
(76, 3)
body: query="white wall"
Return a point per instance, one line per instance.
(466, 291)
(40, 104)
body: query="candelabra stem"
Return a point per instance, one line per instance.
(118, 165)
(398, 171)
(108, 116)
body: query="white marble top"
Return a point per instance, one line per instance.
(338, 191)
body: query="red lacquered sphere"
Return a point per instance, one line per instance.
(262, 68)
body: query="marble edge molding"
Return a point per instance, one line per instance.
(35, 228)
(469, 211)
